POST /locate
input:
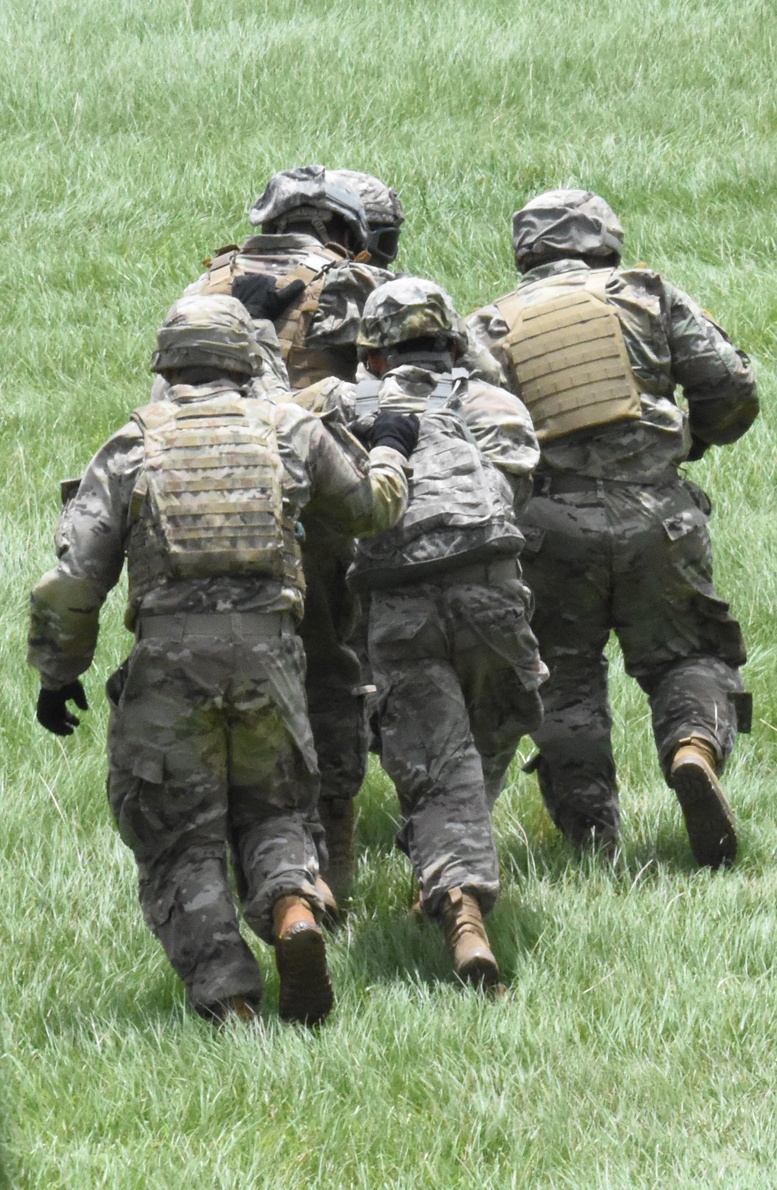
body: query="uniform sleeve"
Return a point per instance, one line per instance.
(66, 602)
(346, 289)
(479, 361)
(502, 427)
(488, 328)
(358, 494)
(716, 378)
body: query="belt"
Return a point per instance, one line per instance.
(567, 481)
(249, 625)
(501, 570)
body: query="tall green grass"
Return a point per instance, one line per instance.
(635, 1044)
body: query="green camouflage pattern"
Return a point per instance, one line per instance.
(210, 331)
(333, 676)
(472, 467)
(575, 221)
(409, 308)
(636, 560)
(449, 643)
(293, 192)
(209, 745)
(457, 672)
(359, 494)
(382, 204)
(629, 549)
(670, 342)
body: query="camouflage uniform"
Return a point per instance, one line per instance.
(616, 538)
(454, 658)
(318, 340)
(209, 739)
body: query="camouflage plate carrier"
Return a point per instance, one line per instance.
(209, 500)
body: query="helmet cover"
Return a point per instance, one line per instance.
(211, 330)
(575, 221)
(308, 189)
(409, 308)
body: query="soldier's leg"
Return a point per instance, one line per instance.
(273, 785)
(566, 564)
(333, 687)
(685, 649)
(428, 749)
(168, 793)
(499, 667)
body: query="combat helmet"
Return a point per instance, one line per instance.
(406, 310)
(383, 208)
(577, 222)
(311, 194)
(207, 331)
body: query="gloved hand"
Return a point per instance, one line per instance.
(261, 297)
(398, 430)
(52, 712)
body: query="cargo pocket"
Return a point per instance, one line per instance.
(134, 783)
(699, 497)
(721, 634)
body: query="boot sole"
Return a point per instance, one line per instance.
(306, 989)
(708, 818)
(481, 973)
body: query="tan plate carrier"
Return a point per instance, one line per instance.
(569, 356)
(305, 365)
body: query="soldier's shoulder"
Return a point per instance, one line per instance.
(483, 390)
(639, 276)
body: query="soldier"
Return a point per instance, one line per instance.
(209, 740)
(308, 272)
(616, 538)
(454, 659)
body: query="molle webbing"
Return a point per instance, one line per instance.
(209, 500)
(569, 356)
(450, 386)
(293, 325)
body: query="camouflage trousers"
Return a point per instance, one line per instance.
(637, 560)
(457, 671)
(210, 751)
(335, 705)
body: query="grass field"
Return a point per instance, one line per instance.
(635, 1045)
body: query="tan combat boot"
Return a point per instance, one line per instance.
(337, 819)
(300, 956)
(334, 916)
(465, 937)
(708, 818)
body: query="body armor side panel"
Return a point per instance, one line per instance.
(567, 348)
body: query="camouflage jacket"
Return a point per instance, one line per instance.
(335, 324)
(357, 493)
(669, 341)
(471, 473)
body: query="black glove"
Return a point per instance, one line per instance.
(52, 712)
(261, 297)
(398, 430)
